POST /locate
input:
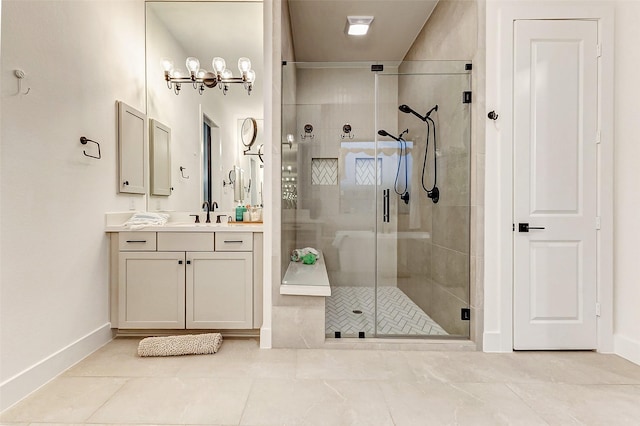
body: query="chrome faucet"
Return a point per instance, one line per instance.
(210, 208)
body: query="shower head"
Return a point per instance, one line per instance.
(399, 138)
(407, 109)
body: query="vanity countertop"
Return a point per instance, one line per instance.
(179, 222)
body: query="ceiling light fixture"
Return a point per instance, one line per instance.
(358, 25)
(200, 78)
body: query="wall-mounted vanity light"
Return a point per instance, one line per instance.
(308, 132)
(200, 78)
(346, 131)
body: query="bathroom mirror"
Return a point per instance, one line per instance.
(248, 132)
(177, 30)
(159, 158)
(237, 177)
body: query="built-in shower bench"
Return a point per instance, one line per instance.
(306, 280)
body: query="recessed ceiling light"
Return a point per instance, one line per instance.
(358, 25)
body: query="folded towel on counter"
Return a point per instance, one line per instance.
(307, 255)
(141, 219)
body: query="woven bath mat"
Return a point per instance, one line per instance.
(189, 344)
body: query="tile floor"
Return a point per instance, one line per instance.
(243, 385)
(350, 310)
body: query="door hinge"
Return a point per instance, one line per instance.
(599, 50)
(377, 67)
(598, 222)
(597, 309)
(466, 97)
(465, 314)
(513, 227)
(598, 136)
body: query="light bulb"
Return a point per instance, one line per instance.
(244, 65)
(201, 73)
(167, 64)
(227, 73)
(218, 65)
(177, 74)
(251, 76)
(193, 64)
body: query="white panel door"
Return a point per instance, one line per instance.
(219, 290)
(555, 138)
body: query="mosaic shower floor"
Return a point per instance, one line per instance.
(350, 310)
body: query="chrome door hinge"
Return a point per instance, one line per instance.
(598, 222)
(599, 50)
(598, 136)
(597, 309)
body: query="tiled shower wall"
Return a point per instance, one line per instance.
(336, 207)
(456, 31)
(434, 272)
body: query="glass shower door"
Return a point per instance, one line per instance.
(423, 209)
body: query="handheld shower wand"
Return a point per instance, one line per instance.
(434, 192)
(404, 195)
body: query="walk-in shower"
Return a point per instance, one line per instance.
(398, 265)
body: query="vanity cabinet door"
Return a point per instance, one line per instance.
(219, 290)
(151, 290)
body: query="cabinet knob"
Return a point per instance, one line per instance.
(125, 183)
(179, 262)
(188, 262)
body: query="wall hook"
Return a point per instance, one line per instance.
(20, 75)
(308, 132)
(346, 131)
(84, 141)
(492, 116)
(182, 169)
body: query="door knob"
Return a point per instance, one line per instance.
(524, 227)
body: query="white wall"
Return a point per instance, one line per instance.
(79, 58)
(627, 179)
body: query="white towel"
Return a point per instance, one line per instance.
(141, 219)
(297, 254)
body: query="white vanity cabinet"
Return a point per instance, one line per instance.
(219, 290)
(151, 290)
(192, 280)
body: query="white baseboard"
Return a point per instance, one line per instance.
(265, 338)
(492, 342)
(627, 348)
(22, 384)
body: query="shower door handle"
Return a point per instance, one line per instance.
(385, 206)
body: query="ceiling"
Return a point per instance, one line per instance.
(319, 35)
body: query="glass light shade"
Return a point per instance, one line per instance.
(251, 76)
(177, 74)
(227, 73)
(218, 64)
(167, 64)
(244, 65)
(193, 64)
